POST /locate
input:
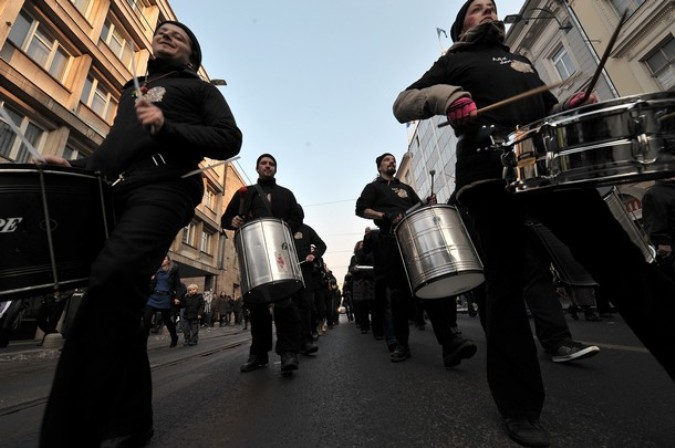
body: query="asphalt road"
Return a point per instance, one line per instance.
(351, 395)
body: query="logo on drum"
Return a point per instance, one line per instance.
(9, 225)
(281, 261)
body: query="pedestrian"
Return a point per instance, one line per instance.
(363, 286)
(193, 304)
(102, 389)
(456, 86)
(309, 246)
(658, 216)
(220, 308)
(163, 284)
(268, 199)
(385, 201)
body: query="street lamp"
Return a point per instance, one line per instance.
(515, 18)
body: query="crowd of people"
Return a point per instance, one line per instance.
(102, 390)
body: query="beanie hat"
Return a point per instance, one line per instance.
(257, 162)
(196, 55)
(456, 28)
(379, 159)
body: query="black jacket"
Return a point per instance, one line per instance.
(658, 213)
(198, 123)
(304, 238)
(386, 196)
(282, 205)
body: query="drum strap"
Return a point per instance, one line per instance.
(263, 197)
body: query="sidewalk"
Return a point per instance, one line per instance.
(30, 349)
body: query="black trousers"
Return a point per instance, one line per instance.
(441, 312)
(287, 321)
(580, 218)
(102, 386)
(304, 300)
(150, 311)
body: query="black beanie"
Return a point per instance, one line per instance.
(456, 28)
(196, 55)
(257, 162)
(378, 160)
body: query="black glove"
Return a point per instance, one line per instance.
(391, 217)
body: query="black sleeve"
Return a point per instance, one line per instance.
(320, 246)
(366, 200)
(231, 211)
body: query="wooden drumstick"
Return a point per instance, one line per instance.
(604, 58)
(513, 99)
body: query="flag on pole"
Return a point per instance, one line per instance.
(439, 31)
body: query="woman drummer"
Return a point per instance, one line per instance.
(457, 85)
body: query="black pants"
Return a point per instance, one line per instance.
(287, 320)
(102, 386)
(304, 300)
(641, 292)
(166, 318)
(441, 312)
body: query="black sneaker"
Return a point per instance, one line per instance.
(456, 350)
(400, 353)
(308, 348)
(289, 362)
(254, 362)
(527, 432)
(572, 350)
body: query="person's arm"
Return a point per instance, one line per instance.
(430, 95)
(217, 137)
(294, 217)
(319, 244)
(655, 219)
(231, 212)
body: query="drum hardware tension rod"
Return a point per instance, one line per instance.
(520, 96)
(199, 170)
(605, 56)
(31, 149)
(48, 228)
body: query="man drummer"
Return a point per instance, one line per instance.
(385, 200)
(457, 86)
(267, 199)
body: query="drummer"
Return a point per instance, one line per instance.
(267, 199)
(458, 85)
(102, 390)
(385, 200)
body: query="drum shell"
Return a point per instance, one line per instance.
(439, 257)
(40, 258)
(268, 261)
(629, 139)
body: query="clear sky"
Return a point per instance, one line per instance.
(313, 83)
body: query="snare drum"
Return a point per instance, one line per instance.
(53, 223)
(268, 261)
(439, 257)
(624, 140)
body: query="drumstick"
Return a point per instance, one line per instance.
(197, 171)
(137, 86)
(604, 58)
(242, 202)
(513, 99)
(31, 149)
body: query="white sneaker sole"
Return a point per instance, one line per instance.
(587, 352)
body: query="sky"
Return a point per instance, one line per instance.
(313, 83)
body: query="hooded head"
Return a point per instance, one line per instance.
(458, 26)
(196, 50)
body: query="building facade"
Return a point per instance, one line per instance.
(62, 67)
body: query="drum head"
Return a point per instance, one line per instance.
(450, 286)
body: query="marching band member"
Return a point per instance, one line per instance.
(385, 201)
(267, 199)
(479, 70)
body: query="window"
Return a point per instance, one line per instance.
(630, 5)
(31, 37)
(187, 234)
(205, 244)
(118, 42)
(208, 198)
(70, 152)
(660, 63)
(83, 6)
(11, 146)
(563, 63)
(99, 99)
